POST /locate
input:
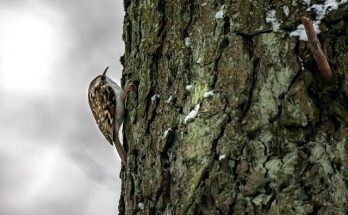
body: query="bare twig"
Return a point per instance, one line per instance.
(315, 46)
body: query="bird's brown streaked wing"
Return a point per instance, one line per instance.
(103, 103)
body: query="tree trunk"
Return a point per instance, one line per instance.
(229, 114)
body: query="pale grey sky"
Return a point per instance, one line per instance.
(53, 159)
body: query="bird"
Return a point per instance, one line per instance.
(107, 103)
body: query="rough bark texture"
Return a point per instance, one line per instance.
(272, 139)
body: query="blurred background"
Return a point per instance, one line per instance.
(53, 158)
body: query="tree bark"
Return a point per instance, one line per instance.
(228, 114)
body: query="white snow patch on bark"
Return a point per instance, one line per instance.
(165, 134)
(301, 32)
(220, 13)
(141, 205)
(188, 88)
(187, 42)
(155, 97)
(286, 10)
(192, 114)
(308, 2)
(272, 19)
(321, 10)
(170, 99)
(208, 94)
(221, 157)
(200, 60)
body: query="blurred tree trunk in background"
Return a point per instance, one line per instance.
(271, 139)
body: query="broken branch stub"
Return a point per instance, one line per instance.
(315, 46)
